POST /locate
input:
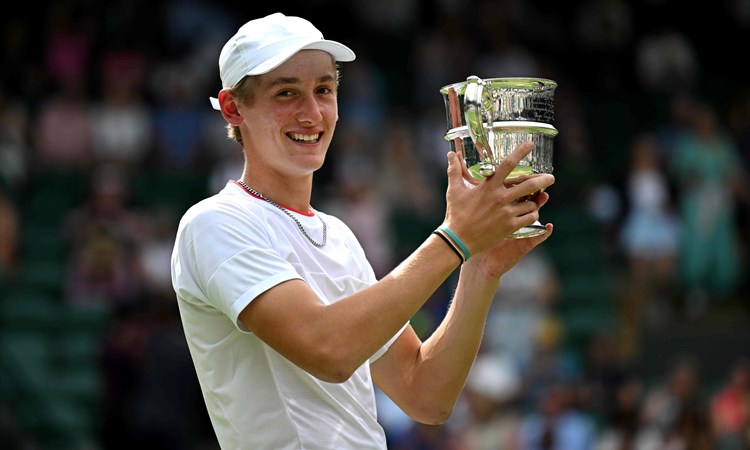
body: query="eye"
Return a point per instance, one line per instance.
(285, 93)
(326, 88)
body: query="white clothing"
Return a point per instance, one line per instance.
(230, 248)
(650, 230)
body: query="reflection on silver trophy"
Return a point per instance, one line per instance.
(488, 119)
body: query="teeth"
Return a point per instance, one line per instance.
(305, 137)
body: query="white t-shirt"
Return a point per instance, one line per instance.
(229, 249)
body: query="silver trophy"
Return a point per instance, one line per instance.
(488, 119)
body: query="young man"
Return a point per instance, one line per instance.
(287, 326)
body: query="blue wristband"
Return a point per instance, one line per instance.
(458, 241)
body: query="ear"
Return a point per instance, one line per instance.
(229, 109)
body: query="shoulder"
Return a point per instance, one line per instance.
(228, 210)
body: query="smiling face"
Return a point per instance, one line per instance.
(288, 123)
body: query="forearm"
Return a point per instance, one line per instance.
(445, 359)
(369, 318)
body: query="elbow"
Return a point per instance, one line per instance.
(431, 413)
(437, 417)
(332, 375)
(332, 367)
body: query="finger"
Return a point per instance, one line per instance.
(523, 207)
(467, 176)
(540, 198)
(536, 240)
(454, 169)
(532, 185)
(511, 161)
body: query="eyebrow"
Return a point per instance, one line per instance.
(294, 80)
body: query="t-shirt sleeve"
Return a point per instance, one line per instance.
(387, 345)
(236, 261)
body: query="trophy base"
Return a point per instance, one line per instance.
(535, 229)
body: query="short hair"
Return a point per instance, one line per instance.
(242, 92)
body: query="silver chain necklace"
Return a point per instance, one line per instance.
(291, 216)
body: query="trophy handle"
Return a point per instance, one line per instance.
(475, 123)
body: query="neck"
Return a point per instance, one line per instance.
(291, 194)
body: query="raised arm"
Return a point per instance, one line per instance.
(425, 379)
(331, 341)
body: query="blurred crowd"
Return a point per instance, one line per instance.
(653, 149)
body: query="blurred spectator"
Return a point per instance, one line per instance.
(154, 253)
(63, 141)
(396, 423)
(408, 186)
(225, 155)
(730, 409)
(552, 362)
(226, 166)
(68, 44)
(604, 25)
(577, 168)
(425, 134)
(674, 412)
(363, 97)
(604, 32)
(619, 428)
(443, 54)
(355, 197)
(196, 30)
(167, 408)
(391, 16)
(104, 233)
(666, 61)
(122, 132)
(9, 235)
(63, 138)
(522, 305)
(649, 235)
(604, 372)
(557, 424)
(680, 112)
(502, 54)
(707, 171)
(121, 360)
(493, 418)
(13, 143)
(739, 123)
(427, 437)
(179, 116)
(107, 206)
(101, 273)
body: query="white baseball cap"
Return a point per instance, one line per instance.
(262, 45)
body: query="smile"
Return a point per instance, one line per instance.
(308, 138)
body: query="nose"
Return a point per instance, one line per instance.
(309, 109)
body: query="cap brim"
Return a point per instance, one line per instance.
(339, 51)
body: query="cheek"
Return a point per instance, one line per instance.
(330, 109)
